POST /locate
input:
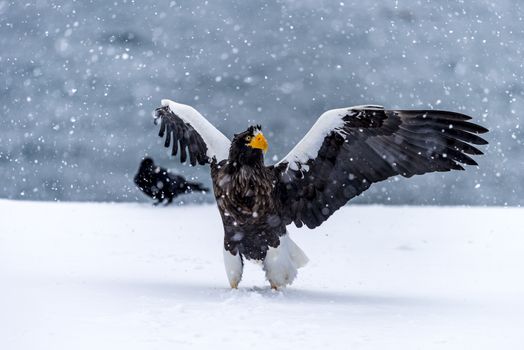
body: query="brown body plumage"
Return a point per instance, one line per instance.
(247, 200)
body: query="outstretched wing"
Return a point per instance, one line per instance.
(186, 129)
(348, 149)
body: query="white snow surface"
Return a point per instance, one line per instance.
(217, 143)
(133, 276)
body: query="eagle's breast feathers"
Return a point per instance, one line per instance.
(250, 213)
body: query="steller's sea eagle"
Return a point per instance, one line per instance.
(345, 151)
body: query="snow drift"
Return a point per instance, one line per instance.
(130, 276)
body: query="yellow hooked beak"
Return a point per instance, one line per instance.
(259, 141)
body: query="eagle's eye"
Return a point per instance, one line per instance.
(248, 138)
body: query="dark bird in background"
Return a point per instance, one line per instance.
(342, 155)
(158, 183)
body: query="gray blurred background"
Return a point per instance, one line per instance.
(79, 79)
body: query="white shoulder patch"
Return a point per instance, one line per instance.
(310, 144)
(375, 107)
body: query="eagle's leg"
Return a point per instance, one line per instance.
(234, 267)
(281, 263)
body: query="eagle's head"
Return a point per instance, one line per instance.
(248, 147)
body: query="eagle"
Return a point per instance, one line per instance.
(342, 155)
(160, 184)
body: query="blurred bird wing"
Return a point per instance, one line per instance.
(185, 128)
(348, 149)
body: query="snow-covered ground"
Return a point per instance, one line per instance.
(130, 276)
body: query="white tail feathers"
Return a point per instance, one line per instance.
(297, 255)
(281, 263)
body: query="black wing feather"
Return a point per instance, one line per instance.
(181, 136)
(373, 145)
